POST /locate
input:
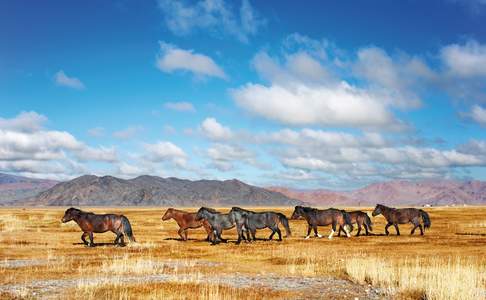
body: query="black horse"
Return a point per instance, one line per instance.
(395, 216)
(259, 220)
(316, 217)
(361, 219)
(90, 223)
(218, 222)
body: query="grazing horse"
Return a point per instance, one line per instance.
(259, 220)
(187, 220)
(316, 217)
(395, 216)
(361, 219)
(90, 222)
(218, 222)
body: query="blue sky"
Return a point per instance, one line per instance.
(330, 94)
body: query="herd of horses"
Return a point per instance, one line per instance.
(248, 222)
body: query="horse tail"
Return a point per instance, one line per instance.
(368, 222)
(347, 220)
(426, 218)
(127, 228)
(285, 222)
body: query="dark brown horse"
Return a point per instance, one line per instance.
(187, 220)
(316, 217)
(361, 219)
(395, 216)
(92, 223)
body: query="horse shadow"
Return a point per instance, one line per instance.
(102, 244)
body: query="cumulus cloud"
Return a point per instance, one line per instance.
(478, 114)
(25, 121)
(62, 79)
(28, 148)
(224, 157)
(172, 59)
(213, 130)
(180, 106)
(215, 16)
(466, 60)
(165, 151)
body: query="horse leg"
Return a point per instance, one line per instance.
(366, 229)
(279, 234)
(421, 229)
(122, 240)
(339, 231)
(181, 233)
(359, 229)
(83, 238)
(315, 232)
(386, 228)
(396, 228)
(271, 235)
(220, 237)
(253, 233)
(309, 228)
(91, 238)
(333, 229)
(415, 225)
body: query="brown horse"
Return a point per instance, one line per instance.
(187, 220)
(90, 223)
(361, 219)
(316, 217)
(395, 216)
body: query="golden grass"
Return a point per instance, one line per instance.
(447, 263)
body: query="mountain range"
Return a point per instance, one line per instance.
(396, 193)
(13, 188)
(90, 190)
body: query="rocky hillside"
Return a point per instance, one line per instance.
(17, 187)
(90, 190)
(397, 193)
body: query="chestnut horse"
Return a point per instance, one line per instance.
(395, 216)
(316, 217)
(361, 219)
(90, 223)
(187, 220)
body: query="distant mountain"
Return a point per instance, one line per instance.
(90, 190)
(397, 193)
(17, 187)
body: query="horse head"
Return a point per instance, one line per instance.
(298, 213)
(202, 213)
(70, 214)
(168, 214)
(377, 210)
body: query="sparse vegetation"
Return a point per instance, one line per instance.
(41, 256)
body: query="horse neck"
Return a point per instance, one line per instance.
(386, 211)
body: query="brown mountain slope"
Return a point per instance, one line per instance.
(397, 193)
(17, 187)
(90, 190)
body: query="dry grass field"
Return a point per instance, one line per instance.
(42, 258)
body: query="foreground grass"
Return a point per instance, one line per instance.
(447, 263)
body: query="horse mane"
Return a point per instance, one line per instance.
(211, 210)
(308, 209)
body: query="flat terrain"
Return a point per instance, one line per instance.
(42, 258)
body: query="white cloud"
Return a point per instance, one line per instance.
(165, 151)
(128, 132)
(224, 157)
(25, 121)
(27, 148)
(171, 59)
(64, 80)
(213, 130)
(180, 106)
(478, 114)
(215, 16)
(466, 60)
(341, 105)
